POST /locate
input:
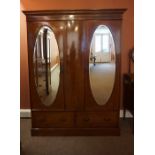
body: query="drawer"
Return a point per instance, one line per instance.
(97, 119)
(52, 119)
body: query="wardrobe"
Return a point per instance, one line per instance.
(74, 59)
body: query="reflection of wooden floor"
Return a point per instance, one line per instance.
(102, 81)
(53, 88)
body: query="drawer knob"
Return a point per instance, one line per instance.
(86, 119)
(63, 120)
(106, 119)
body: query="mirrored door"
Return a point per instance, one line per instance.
(46, 63)
(46, 60)
(102, 62)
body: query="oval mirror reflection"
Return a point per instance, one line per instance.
(102, 64)
(46, 65)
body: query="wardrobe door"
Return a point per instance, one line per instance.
(102, 62)
(74, 66)
(46, 46)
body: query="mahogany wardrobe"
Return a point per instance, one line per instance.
(74, 71)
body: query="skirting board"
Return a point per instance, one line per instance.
(26, 113)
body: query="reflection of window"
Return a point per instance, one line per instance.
(101, 42)
(105, 42)
(42, 54)
(98, 47)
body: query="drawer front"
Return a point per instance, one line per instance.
(97, 119)
(52, 119)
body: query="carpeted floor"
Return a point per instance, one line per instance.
(102, 77)
(95, 145)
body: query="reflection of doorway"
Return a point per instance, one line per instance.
(102, 45)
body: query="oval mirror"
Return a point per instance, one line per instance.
(102, 64)
(46, 65)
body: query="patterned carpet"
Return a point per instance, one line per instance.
(53, 87)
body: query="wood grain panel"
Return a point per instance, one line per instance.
(96, 119)
(52, 119)
(74, 67)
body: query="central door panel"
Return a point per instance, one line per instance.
(74, 67)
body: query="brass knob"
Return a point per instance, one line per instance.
(86, 119)
(63, 120)
(106, 119)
